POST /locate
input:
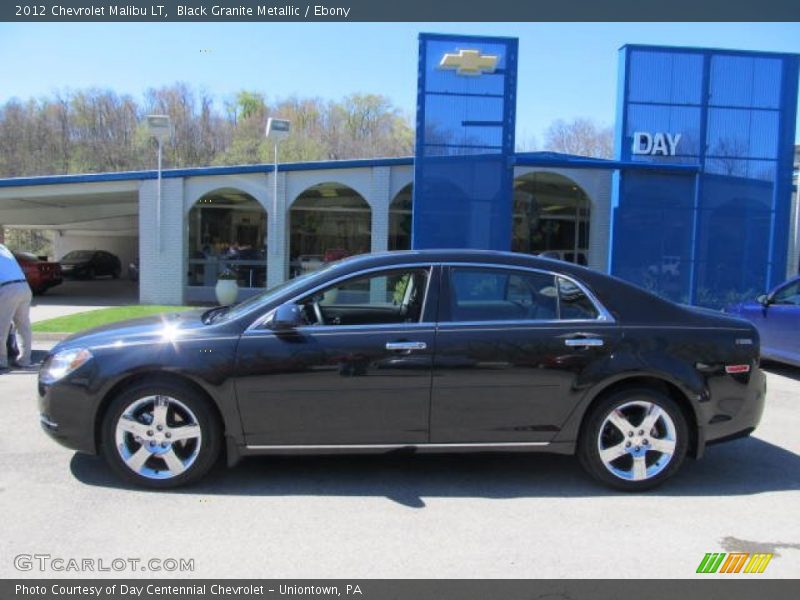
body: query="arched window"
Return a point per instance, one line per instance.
(227, 231)
(551, 217)
(327, 222)
(400, 220)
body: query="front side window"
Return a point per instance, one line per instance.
(483, 294)
(789, 294)
(386, 297)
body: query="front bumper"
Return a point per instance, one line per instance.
(67, 414)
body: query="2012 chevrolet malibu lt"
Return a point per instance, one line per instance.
(425, 350)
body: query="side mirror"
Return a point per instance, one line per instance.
(764, 300)
(286, 317)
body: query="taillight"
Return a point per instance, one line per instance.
(735, 369)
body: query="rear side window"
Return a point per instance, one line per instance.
(495, 295)
(573, 301)
(478, 294)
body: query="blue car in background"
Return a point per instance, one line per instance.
(777, 317)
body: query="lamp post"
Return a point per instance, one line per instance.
(158, 126)
(277, 131)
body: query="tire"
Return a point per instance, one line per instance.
(90, 274)
(631, 463)
(130, 422)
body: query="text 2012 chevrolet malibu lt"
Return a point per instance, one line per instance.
(429, 350)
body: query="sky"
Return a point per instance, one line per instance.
(566, 70)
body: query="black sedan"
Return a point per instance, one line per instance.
(430, 351)
(88, 264)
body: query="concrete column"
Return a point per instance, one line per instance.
(599, 220)
(379, 201)
(2, 235)
(162, 268)
(277, 237)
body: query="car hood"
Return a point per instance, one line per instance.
(74, 263)
(153, 329)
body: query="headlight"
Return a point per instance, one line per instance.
(63, 363)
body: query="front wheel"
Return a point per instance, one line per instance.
(161, 435)
(634, 440)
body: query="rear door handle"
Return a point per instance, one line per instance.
(406, 346)
(583, 342)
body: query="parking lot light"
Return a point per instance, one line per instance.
(277, 131)
(159, 127)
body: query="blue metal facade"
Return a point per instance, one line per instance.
(465, 142)
(721, 234)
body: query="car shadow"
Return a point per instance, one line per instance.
(781, 369)
(744, 467)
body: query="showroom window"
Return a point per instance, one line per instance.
(551, 217)
(327, 222)
(227, 233)
(400, 219)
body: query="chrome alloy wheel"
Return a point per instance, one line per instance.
(637, 440)
(158, 437)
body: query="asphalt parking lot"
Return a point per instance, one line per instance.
(77, 295)
(490, 516)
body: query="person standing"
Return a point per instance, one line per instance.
(15, 306)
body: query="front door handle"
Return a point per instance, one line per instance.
(406, 346)
(583, 342)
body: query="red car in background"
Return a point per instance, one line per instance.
(332, 254)
(41, 274)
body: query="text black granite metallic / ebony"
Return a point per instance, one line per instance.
(432, 351)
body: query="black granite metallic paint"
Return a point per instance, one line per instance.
(474, 383)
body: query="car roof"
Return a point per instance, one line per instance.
(451, 255)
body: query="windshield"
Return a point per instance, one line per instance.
(237, 310)
(78, 255)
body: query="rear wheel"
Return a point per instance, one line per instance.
(160, 435)
(634, 440)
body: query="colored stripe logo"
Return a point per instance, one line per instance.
(734, 562)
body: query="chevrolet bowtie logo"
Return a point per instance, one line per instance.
(469, 62)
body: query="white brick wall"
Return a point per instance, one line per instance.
(379, 199)
(162, 266)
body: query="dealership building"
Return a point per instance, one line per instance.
(698, 204)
